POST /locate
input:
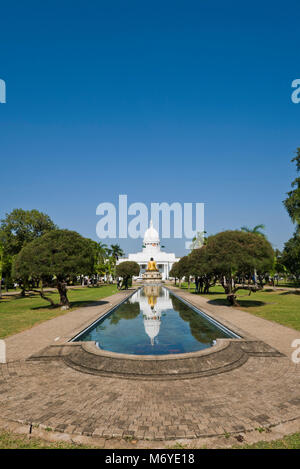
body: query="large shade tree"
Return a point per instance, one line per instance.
(292, 202)
(59, 254)
(17, 229)
(202, 270)
(291, 256)
(127, 270)
(174, 271)
(23, 226)
(233, 254)
(291, 252)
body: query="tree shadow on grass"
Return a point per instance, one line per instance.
(73, 304)
(209, 293)
(242, 303)
(293, 292)
(82, 303)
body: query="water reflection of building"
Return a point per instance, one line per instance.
(153, 300)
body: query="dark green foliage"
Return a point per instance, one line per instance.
(62, 254)
(291, 255)
(127, 270)
(23, 226)
(174, 272)
(125, 311)
(203, 270)
(200, 329)
(232, 252)
(292, 202)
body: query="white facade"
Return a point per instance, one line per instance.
(164, 260)
(151, 309)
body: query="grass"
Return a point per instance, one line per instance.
(288, 442)
(10, 440)
(279, 306)
(18, 314)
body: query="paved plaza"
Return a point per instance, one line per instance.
(262, 390)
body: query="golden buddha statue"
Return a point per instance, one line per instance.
(152, 267)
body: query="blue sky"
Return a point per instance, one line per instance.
(186, 101)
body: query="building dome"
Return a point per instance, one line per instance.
(151, 236)
(152, 325)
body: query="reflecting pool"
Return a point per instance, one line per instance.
(153, 321)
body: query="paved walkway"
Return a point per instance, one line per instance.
(263, 392)
(22, 345)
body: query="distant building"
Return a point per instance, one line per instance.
(151, 248)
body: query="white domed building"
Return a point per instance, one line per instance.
(151, 248)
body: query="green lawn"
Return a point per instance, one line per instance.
(10, 440)
(18, 314)
(278, 306)
(288, 442)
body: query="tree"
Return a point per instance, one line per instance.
(291, 256)
(236, 253)
(127, 270)
(180, 269)
(292, 202)
(16, 230)
(174, 272)
(184, 269)
(116, 251)
(23, 226)
(201, 269)
(1, 267)
(256, 230)
(59, 254)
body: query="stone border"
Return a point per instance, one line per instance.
(226, 355)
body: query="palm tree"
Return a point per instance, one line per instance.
(116, 251)
(256, 230)
(102, 251)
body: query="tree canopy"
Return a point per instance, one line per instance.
(231, 252)
(23, 226)
(291, 255)
(226, 257)
(127, 270)
(60, 254)
(292, 202)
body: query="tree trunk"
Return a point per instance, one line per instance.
(228, 285)
(231, 297)
(62, 290)
(40, 292)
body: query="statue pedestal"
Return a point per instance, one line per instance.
(152, 277)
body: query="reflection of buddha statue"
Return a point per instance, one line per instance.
(151, 267)
(152, 301)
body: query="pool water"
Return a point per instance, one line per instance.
(153, 321)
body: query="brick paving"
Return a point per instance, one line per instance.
(262, 392)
